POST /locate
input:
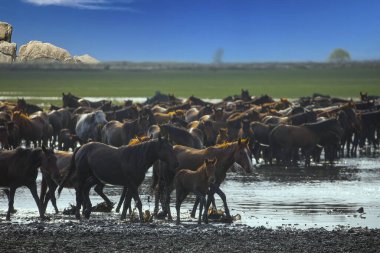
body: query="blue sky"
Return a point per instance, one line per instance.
(192, 30)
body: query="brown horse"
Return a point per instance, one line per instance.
(125, 166)
(197, 182)
(32, 129)
(285, 140)
(117, 134)
(19, 167)
(189, 158)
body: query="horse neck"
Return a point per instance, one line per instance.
(225, 156)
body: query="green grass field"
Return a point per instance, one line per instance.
(290, 83)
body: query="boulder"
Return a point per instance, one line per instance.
(85, 59)
(5, 32)
(7, 52)
(38, 51)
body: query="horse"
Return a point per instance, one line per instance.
(126, 166)
(222, 136)
(260, 138)
(189, 158)
(89, 125)
(53, 176)
(117, 134)
(69, 100)
(26, 108)
(290, 138)
(67, 140)
(197, 182)
(32, 129)
(19, 167)
(129, 112)
(181, 136)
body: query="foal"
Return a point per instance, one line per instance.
(197, 182)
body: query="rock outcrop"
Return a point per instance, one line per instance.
(38, 51)
(7, 52)
(85, 59)
(5, 32)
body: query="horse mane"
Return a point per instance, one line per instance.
(224, 145)
(22, 115)
(138, 140)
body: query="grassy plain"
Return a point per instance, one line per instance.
(205, 83)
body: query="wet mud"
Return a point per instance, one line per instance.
(278, 209)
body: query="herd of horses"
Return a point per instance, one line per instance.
(191, 144)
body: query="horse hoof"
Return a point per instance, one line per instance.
(122, 217)
(192, 215)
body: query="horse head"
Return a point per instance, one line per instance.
(210, 165)
(243, 155)
(48, 160)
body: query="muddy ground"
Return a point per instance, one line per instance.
(114, 236)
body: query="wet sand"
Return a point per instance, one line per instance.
(113, 236)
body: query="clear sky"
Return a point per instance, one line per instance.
(192, 30)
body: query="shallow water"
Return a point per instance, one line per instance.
(273, 197)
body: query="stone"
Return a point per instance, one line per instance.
(7, 52)
(37, 51)
(5, 32)
(86, 59)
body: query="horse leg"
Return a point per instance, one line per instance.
(11, 198)
(87, 206)
(33, 189)
(127, 203)
(156, 201)
(99, 190)
(201, 205)
(137, 199)
(79, 200)
(180, 197)
(49, 195)
(195, 207)
(6, 191)
(223, 197)
(122, 197)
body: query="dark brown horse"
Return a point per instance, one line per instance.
(69, 100)
(285, 140)
(53, 176)
(125, 166)
(26, 108)
(196, 182)
(117, 134)
(19, 167)
(226, 154)
(32, 129)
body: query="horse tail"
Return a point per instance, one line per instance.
(70, 172)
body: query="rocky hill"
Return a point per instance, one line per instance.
(36, 51)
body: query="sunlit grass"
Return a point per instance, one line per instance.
(292, 83)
